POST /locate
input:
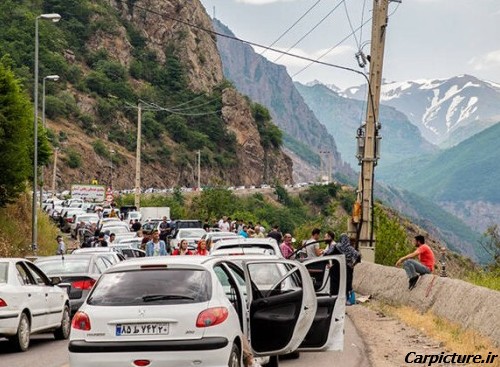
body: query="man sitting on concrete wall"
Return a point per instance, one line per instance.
(414, 268)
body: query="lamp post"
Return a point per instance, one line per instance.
(55, 18)
(111, 155)
(199, 170)
(54, 78)
(54, 172)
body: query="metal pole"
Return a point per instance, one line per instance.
(34, 233)
(43, 124)
(137, 198)
(199, 168)
(54, 172)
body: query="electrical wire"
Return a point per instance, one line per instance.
(317, 60)
(311, 30)
(293, 25)
(362, 22)
(350, 25)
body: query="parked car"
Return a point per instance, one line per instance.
(184, 223)
(165, 310)
(150, 226)
(211, 237)
(80, 271)
(87, 218)
(113, 254)
(134, 242)
(128, 251)
(192, 235)
(241, 245)
(30, 303)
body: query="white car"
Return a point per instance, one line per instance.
(241, 245)
(197, 310)
(87, 218)
(30, 303)
(192, 235)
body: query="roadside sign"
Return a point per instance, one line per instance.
(88, 192)
(109, 195)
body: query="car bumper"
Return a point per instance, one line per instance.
(207, 352)
(8, 322)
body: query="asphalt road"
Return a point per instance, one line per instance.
(44, 351)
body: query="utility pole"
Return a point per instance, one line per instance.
(54, 172)
(137, 198)
(199, 169)
(368, 134)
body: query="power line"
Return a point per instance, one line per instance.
(350, 24)
(311, 30)
(293, 25)
(234, 38)
(317, 60)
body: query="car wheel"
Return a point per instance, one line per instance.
(62, 332)
(235, 357)
(21, 341)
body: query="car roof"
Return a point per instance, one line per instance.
(12, 259)
(240, 240)
(64, 257)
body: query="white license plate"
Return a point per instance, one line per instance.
(142, 329)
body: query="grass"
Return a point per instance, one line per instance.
(488, 279)
(15, 230)
(453, 336)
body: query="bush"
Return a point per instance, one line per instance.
(100, 148)
(73, 159)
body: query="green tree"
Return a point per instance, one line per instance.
(15, 120)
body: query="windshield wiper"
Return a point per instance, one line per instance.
(159, 297)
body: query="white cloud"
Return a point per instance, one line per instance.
(488, 61)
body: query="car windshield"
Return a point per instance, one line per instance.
(192, 233)
(116, 230)
(64, 266)
(87, 218)
(3, 272)
(152, 286)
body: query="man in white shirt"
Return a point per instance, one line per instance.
(313, 250)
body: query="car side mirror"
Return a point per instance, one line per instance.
(55, 280)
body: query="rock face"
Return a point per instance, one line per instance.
(265, 166)
(163, 25)
(194, 46)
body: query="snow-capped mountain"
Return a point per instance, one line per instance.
(442, 108)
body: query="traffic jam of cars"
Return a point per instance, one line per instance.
(243, 304)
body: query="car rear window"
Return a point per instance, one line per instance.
(66, 266)
(152, 287)
(3, 272)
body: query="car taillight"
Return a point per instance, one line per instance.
(3, 303)
(81, 321)
(141, 362)
(83, 284)
(212, 316)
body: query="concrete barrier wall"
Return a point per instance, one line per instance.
(463, 303)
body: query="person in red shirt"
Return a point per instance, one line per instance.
(202, 248)
(183, 249)
(414, 268)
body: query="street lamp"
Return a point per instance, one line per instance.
(54, 18)
(54, 78)
(112, 153)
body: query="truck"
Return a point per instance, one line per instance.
(154, 212)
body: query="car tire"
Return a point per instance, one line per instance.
(273, 362)
(235, 357)
(63, 331)
(21, 341)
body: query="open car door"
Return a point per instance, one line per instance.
(281, 305)
(328, 274)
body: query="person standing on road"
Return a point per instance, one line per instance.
(275, 233)
(136, 226)
(164, 228)
(61, 247)
(314, 250)
(415, 268)
(156, 247)
(202, 248)
(286, 247)
(101, 241)
(352, 257)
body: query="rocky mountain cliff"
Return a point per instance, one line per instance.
(443, 109)
(270, 85)
(111, 55)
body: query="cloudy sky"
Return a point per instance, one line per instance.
(425, 38)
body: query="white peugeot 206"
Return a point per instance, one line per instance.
(199, 311)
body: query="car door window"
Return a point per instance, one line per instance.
(23, 275)
(38, 275)
(230, 289)
(100, 265)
